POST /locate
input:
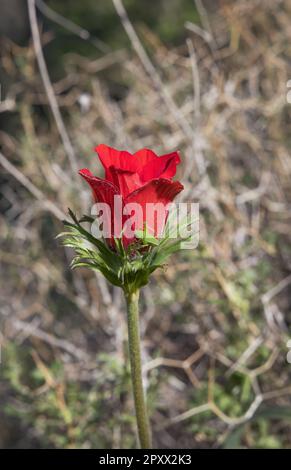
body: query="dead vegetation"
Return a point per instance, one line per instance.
(215, 322)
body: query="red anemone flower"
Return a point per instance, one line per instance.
(142, 178)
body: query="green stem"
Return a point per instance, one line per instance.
(136, 369)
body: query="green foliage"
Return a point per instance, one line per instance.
(232, 396)
(64, 412)
(259, 430)
(245, 134)
(166, 18)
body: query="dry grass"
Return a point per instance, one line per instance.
(215, 322)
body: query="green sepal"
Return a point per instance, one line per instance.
(128, 268)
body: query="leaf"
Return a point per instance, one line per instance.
(109, 256)
(86, 218)
(233, 439)
(127, 268)
(146, 238)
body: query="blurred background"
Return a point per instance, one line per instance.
(209, 78)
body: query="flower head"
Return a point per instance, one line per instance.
(140, 179)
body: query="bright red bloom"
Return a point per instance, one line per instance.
(141, 178)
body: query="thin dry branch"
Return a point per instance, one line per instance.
(63, 344)
(82, 33)
(49, 88)
(17, 174)
(151, 70)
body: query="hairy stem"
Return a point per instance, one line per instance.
(136, 370)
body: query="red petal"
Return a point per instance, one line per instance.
(111, 157)
(144, 162)
(143, 157)
(161, 167)
(125, 181)
(123, 160)
(156, 191)
(103, 191)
